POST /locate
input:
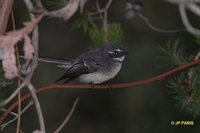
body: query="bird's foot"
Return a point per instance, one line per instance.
(109, 85)
(92, 85)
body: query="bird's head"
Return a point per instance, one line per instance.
(115, 52)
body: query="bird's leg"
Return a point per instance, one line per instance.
(92, 85)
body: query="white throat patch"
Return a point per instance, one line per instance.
(120, 59)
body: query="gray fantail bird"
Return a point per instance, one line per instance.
(95, 66)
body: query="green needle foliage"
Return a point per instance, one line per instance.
(173, 54)
(99, 37)
(115, 33)
(92, 25)
(81, 22)
(186, 92)
(97, 32)
(185, 85)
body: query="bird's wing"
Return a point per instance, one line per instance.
(78, 69)
(85, 64)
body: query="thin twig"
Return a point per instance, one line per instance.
(27, 79)
(67, 11)
(194, 8)
(182, 10)
(104, 18)
(35, 41)
(105, 23)
(108, 4)
(86, 86)
(29, 5)
(99, 10)
(146, 20)
(37, 106)
(12, 113)
(68, 116)
(19, 110)
(16, 115)
(18, 80)
(187, 4)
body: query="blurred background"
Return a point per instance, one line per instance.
(140, 109)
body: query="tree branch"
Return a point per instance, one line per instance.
(86, 86)
(189, 27)
(37, 106)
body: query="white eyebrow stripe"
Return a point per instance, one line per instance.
(110, 52)
(119, 50)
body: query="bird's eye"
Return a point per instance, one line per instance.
(116, 52)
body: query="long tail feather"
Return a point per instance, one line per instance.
(52, 60)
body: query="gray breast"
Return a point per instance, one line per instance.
(101, 75)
